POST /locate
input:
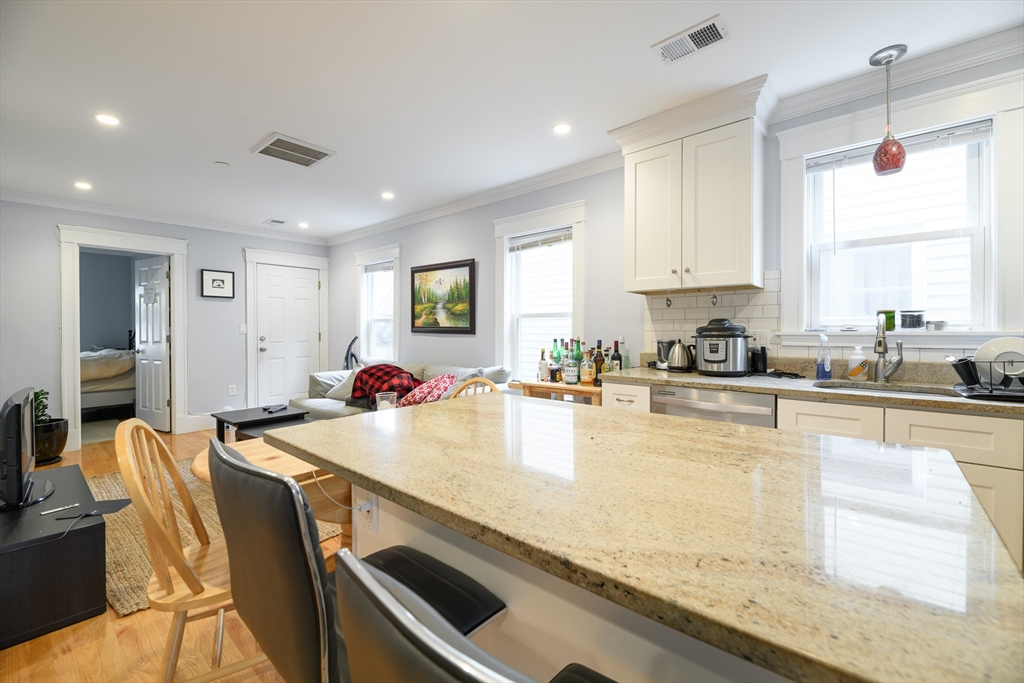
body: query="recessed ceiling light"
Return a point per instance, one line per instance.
(387, 195)
(81, 185)
(107, 119)
(303, 225)
(561, 128)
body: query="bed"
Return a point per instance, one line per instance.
(108, 381)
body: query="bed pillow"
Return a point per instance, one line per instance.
(342, 391)
(428, 392)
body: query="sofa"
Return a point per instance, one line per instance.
(328, 390)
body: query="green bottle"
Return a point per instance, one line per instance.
(556, 352)
(578, 353)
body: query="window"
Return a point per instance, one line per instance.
(378, 307)
(540, 279)
(913, 240)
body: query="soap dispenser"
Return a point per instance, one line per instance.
(824, 360)
(858, 365)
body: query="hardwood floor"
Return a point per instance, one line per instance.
(108, 648)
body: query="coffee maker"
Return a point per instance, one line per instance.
(664, 349)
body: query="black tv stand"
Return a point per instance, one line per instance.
(38, 491)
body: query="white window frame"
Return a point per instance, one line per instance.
(571, 214)
(997, 98)
(372, 257)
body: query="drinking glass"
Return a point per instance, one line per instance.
(387, 399)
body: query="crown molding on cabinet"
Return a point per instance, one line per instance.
(583, 169)
(155, 217)
(754, 98)
(912, 70)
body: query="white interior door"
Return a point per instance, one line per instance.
(288, 332)
(152, 347)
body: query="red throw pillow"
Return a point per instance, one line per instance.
(428, 392)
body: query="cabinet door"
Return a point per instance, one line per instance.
(835, 419)
(653, 207)
(995, 441)
(722, 224)
(1001, 492)
(627, 396)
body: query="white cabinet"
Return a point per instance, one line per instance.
(722, 209)
(626, 396)
(835, 419)
(653, 209)
(990, 452)
(694, 211)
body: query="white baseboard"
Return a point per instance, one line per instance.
(183, 424)
(74, 442)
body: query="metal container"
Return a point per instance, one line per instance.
(721, 349)
(911, 320)
(681, 357)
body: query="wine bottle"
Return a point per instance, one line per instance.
(578, 353)
(626, 363)
(616, 357)
(542, 368)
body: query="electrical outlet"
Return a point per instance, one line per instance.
(241, 329)
(368, 519)
(760, 338)
(232, 390)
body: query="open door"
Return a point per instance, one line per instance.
(152, 343)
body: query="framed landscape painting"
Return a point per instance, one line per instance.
(444, 298)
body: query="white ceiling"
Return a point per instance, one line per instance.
(434, 101)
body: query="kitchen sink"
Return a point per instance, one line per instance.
(933, 389)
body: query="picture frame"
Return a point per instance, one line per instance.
(217, 284)
(444, 298)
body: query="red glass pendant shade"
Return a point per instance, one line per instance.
(889, 157)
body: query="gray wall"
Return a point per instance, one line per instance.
(105, 291)
(30, 301)
(610, 311)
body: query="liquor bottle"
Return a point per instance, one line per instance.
(542, 368)
(554, 348)
(626, 364)
(578, 353)
(616, 357)
(554, 371)
(566, 355)
(556, 353)
(598, 360)
(587, 369)
(571, 371)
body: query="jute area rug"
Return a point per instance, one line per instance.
(128, 565)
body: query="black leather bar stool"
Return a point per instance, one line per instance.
(395, 635)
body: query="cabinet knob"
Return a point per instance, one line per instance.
(674, 271)
(686, 270)
(263, 348)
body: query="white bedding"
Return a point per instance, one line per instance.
(106, 363)
(125, 380)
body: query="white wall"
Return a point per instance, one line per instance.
(30, 301)
(610, 311)
(105, 284)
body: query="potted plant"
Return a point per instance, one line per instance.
(51, 434)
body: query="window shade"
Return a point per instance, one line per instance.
(379, 267)
(540, 239)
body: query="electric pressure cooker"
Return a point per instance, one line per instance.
(722, 349)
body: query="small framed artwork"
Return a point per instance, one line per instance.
(444, 298)
(219, 284)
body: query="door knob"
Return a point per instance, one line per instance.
(263, 339)
(686, 270)
(674, 271)
(263, 348)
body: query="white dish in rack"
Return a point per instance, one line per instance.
(1005, 354)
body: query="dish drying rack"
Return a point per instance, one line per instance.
(1011, 388)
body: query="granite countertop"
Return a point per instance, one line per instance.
(816, 557)
(804, 388)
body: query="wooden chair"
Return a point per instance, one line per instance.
(476, 385)
(184, 579)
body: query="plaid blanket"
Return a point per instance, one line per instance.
(377, 378)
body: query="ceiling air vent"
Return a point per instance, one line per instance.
(274, 222)
(695, 38)
(289, 149)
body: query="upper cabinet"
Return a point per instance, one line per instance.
(694, 193)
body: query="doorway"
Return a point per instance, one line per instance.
(75, 239)
(286, 320)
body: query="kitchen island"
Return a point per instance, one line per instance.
(816, 558)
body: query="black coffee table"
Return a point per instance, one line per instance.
(257, 417)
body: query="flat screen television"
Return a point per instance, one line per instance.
(18, 453)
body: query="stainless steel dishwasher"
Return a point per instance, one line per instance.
(708, 404)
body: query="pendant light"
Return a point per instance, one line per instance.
(890, 155)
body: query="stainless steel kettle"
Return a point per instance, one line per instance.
(680, 358)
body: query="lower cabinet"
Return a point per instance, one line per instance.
(834, 419)
(628, 396)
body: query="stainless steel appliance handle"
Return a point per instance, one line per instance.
(715, 407)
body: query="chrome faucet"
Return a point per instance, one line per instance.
(884, 369)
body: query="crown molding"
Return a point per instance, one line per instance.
(909, 71)
(583, 169)
(123, 212)
(754, 98)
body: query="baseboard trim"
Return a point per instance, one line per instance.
(185, 424)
